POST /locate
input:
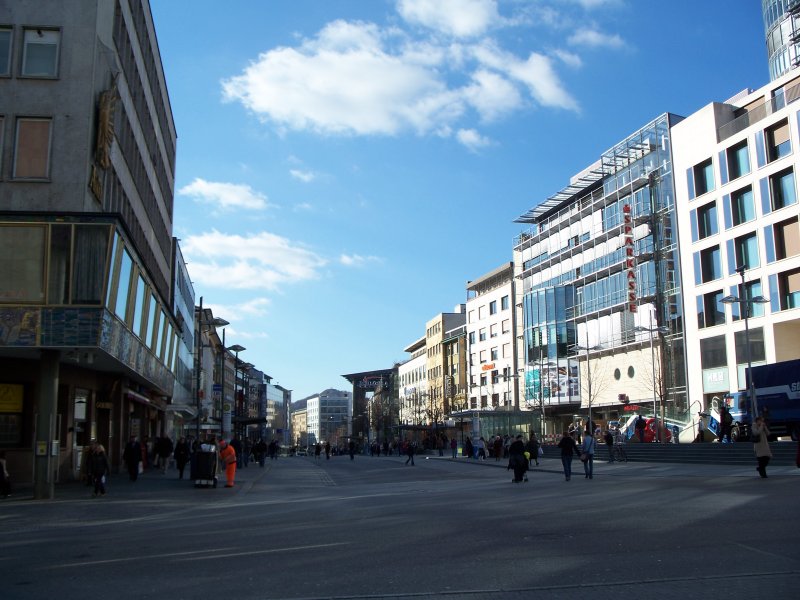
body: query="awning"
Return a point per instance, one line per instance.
(249, 420)
(184, 410)
(137, 397)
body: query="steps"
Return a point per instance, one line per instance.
(783, 453)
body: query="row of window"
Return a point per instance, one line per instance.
(32, 142)
(771, 144)
(38, 51)
(777, 191)
(714, 354)
(505, 327)
(781, 241)
(505, 304)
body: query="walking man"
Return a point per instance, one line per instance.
(412, 448)
(132, 456)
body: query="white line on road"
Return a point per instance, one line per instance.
(216, 555)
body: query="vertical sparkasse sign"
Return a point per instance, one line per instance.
(630, 258)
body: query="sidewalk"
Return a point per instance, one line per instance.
(602, 468)
(149, 484)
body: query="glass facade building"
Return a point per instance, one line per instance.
(782, 33)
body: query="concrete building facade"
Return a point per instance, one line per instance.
(94, 324)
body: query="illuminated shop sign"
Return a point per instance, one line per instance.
(630, 259)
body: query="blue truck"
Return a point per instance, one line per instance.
(777, 390)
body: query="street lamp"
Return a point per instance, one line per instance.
(651, 330)
(576, 348)
(746, 302)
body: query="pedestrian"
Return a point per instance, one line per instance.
(132, 457)
(497, 447)
(481, 445)
(587, 455)
(701, 428)
(5, 478)
(609, 439)
(568, 449)
(468, 449)
(726, 424)
(517, 460)
(236, 444)
(454, 447)
(412, 448)
(181, 454)
(760, 435)
(99, 469)
(327, 450)
(227, 455)
(260, 451)
(164, 449)
(352, 448)
(247, 450)
(640, 425)
(86, 477)
(533, 449)
(317, 450)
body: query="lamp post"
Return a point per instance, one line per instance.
(651, 330)
(746, 302)
(587, 349)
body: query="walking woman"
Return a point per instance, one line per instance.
(568, 449)
(760, 436)
(587, 448)
(98, 469)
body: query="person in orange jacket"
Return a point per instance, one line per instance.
(228, 457)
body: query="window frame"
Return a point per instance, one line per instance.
(24, 55)
(6, 71)
(733, 153)
(704, 174)
(777, 189)
(736, 213)
(47, 159)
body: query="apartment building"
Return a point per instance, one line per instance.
(438, 370)
(413, 384)
(490, 328)
(92, 316)
(736, 165)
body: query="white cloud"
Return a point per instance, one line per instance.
(457, 18)
(304, 176)
(303, 206)
(472, 139)
(492, 95)
(356, 260)
(225, 195)
(260, 261)
(568, 58)
(256, 307)
(595, 39)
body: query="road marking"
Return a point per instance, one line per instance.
(216, 554)
(131, 558)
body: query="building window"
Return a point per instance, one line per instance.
(482, 334)
(707, 220)
(789, 289)
(123, 285)
(471, 337)
(481, 312)
(712, 352)
(709, 265)
(493, 307)
(777, 139)
(32, 149)
(138, 308)
(782, 188)
(506, 325)
(482, 356)
(88, 275)
(22, 256)
(40, 53)
(787, 238)
(738, 160)
(710, 310)
(506, 350)
(495, 354)
(504, 303)
(5, 51)
(752, 289)
(746, 251)
(756, 343)
(742, 206)
(493, 330)
(703, 177)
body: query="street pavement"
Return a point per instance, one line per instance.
(302, 528)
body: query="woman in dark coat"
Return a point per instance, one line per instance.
(517, 460)
(181, 454)
(568, 449)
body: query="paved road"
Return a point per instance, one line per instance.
(374, 528)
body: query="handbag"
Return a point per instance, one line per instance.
(584, 456)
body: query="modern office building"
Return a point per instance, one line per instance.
(328, 417)
(736, 165)
(598, 286)
(782, 34)
(92, 312)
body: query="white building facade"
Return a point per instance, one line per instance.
(736, 169)
(329, 417)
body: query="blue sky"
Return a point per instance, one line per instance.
(346, 166)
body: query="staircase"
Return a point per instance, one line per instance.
(783, 453)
